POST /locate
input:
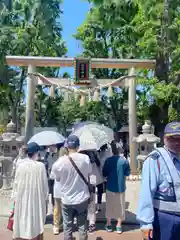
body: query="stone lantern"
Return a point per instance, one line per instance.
(10, 142)
(147, 142)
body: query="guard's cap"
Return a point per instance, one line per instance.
(172, 129)
(72, 142)
(33, 148)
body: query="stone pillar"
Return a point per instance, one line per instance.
(132, 123)
(7, 170)
(31, 88)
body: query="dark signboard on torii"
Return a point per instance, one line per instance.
(82, 70)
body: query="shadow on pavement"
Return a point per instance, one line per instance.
(129, 224)
(101, 225)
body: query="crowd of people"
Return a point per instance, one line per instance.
(73, 178)
(77, 176)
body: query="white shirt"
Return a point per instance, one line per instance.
(17, 161)
(70, 187)
(57, 189)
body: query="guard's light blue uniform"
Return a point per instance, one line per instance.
(159, 203)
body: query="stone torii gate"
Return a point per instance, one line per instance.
(130, 64)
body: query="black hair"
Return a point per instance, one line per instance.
(103, 148)
(30, 155)
(46, 155)
(115, 150)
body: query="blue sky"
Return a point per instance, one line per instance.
(75, 12)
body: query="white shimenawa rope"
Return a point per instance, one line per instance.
(73, 89)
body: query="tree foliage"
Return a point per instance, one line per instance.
(27, 28)
(112, 29)
(139, 29)
(106, 33)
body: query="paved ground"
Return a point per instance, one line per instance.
(132, 194)
(130, 232)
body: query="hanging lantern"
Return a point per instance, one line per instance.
(52, 91)
(96, 97)
(110, 91)
(82, 100)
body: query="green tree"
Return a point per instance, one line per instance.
(68, 112)
(104, 112)
(46, 108)
(158, 25)
(27, 28)
(139, 29)
(106, 33)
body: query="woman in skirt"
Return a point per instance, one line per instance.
(115, 170)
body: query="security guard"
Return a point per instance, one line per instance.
(159, 203)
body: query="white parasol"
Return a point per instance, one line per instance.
(109, 132)
(91, 138)
(47, 138)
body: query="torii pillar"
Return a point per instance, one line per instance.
(31, 89)
(132, 121)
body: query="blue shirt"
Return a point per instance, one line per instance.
(115, 170)
(152, 178)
